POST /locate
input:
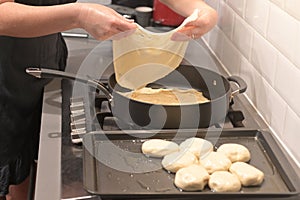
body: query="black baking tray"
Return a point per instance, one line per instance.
(129, 181)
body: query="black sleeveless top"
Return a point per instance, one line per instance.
(21, 95)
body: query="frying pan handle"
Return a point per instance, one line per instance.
(241, 83)
(50, 73)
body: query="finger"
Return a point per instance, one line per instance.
(125, 25)
(187, 33)
(192, 23)
(116, 33)
(121, 35)
(177, 36)
(189, 29)
(123, 18)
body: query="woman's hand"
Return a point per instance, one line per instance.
(19, 20)
(207, 19)
(103, 22)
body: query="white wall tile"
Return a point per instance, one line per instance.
(216, 39)
(279, 3)
(242, 36)
(272, 71)
(293, 8)
(226, 19)
(271, 105)
(256, 14)
(231, 57)
(238, 6)
(263, 103)
(252, 78)
(263, 57)
(291, 135)
(206, 36)
(297, 53)
(287, 83)
(213, 3)
(282, 31)
(278, 111)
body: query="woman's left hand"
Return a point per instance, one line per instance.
(207, 19)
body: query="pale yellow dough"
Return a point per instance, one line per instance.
(144, 57)
(191, 178)
(167, 96)
(248, 174)
(235, 152)
(159, 148)
(215, 161)
(198, 146)
(175, 161)
(224, 181)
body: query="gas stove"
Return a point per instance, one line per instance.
(80, 119)
(80, 181)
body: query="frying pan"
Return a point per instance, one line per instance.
(214, 86)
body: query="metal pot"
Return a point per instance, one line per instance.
(214, 86)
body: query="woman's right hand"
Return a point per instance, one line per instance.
(103, 22)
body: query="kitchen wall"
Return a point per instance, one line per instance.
(260, 41)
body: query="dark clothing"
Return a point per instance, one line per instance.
(21, 98)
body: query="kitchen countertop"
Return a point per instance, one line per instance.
(48, 179)
(51, 170)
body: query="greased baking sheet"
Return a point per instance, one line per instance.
(115, 168)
